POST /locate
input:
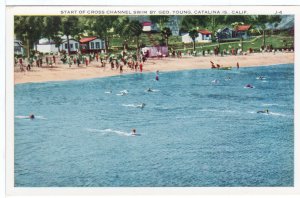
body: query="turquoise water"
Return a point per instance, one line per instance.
(198, 128)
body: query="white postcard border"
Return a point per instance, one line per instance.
(11, 190)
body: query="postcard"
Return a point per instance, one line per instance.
(151, 100)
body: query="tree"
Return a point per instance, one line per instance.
(70, 28)
(120, 23)
(28, 29)
(58, 41)
(161, 20)
(134, 29)
(261, 24)
(190, 22)
(102, 26)
(194, 34)
(166, 33)
(52, 25)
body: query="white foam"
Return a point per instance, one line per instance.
(27, 117)
(110, 131)
(271, 104)
(277, 114)
(215, 81)
(134, 105)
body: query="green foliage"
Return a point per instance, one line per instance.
(29, 29)
(52, 26)
(161, 20)
(166, 33)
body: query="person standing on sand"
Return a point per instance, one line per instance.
(121, 68)
(47, 60)
(78, 61)
(141, 67)
(69, 61)
(54, 60)
(86, 62)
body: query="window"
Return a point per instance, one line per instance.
(76, 45)
(92, 45)
(97, 45)
(66, 46)
(71, 46)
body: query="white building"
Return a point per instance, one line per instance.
(46, 46)
(18, 47)
(91, 44)
(204, 36)
(74, 45)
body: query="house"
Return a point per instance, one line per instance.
(74, 46)
(204, 36)
(225, 33)
(149, 27)
(242, 31)
(91, 44)
(45, 45)
(18, 47)
(155, 51)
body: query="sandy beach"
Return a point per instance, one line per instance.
(61, 72)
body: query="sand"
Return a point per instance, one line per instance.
(61, 72)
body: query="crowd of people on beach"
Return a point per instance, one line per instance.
(101, 59)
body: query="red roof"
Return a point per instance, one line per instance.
(241, 28)
(87, 39)
(147, 23)
(204, 32)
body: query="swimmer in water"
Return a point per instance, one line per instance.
(31, 116)
(133, 132)
(215, 81)
(249, 86)
(149, 90)
(264, 111)
(141, 105)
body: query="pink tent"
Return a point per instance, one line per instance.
(155, 51)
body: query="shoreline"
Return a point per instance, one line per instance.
(62, 72)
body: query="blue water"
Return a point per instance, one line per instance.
(192, 132)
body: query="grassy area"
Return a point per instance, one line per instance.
(277, 41)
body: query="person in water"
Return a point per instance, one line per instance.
(264, 111)
(237, 65)
(133, 132)
(150, 90)
(249, 86)
(157, 78)
(31, 116)
(141, 106)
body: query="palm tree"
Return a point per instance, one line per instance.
(194, 34)
(262, 20)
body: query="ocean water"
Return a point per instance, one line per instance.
(198, 128)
